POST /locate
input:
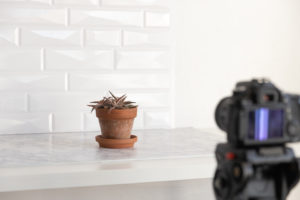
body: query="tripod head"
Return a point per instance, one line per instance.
(255, 174)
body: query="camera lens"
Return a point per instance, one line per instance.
(222, 113)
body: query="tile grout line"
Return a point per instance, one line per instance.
(42, 59)
(67, 17)
(66, 81)
(144, 19)
(18, 37)
(51, 122)
(115, 59)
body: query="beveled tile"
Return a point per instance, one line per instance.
(13, 102)
(31, 81)
(20, 59)
(136, 2)
(16, 15)
(6, 1)
(106, 17)
(143, 59)
(78, 59)
(24, 123)
(42, 37)
(146, 38)
(77, 2)
(28, 2)
(66, 121)
(46, 2)
(103, 37)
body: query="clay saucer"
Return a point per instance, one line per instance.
(116, 143)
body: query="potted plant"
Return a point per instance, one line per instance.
(116, 117)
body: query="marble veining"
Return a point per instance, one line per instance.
(81, 148)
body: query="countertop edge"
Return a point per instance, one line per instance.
(101, 174)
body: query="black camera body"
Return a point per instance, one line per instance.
(255, 164)
(259, 114)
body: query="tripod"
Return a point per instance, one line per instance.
(261, 173)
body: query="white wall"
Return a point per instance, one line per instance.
(221, 42)
(58, 55)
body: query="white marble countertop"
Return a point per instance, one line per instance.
(58, 160)
(75, 148)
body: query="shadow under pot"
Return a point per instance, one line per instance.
(116, 126)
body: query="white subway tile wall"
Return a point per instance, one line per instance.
(58, 55)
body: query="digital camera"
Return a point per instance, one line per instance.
(259, 114)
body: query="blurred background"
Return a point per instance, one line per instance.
(222, 42)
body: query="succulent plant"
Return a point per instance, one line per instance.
(112, 102)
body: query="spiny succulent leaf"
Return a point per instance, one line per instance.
(112, 95)
(95, 102)
(128, 102)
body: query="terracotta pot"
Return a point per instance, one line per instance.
(116, 124)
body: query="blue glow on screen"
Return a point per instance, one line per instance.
(265, 123)
(261, 124)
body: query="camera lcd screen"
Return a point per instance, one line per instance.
(265, 123)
